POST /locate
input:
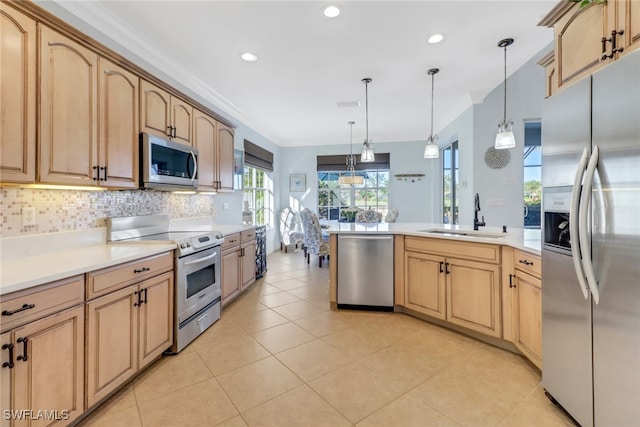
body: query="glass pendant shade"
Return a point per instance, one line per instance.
(505, 138)
(367, 154)
(431, 150)
(350, 177)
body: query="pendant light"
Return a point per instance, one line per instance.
(367, 148)
(350, 177)
(431, 150)
(505, 138)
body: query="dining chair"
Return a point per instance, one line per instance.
(314, 241)
(368, 215)
(290, 229)
(391, 216)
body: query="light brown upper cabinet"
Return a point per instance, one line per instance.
(18, 100)
(118, 126)
(205, 139)
(165, 115)
(588, 39)
(68, 113)
(225, 158)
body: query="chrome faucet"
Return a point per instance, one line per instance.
(476, 209)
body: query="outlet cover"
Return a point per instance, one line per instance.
(28, 216)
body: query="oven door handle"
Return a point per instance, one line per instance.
(201, 260)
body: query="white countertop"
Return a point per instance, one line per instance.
(32, 260)
(520, 238)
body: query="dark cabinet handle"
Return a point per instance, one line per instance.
(446, 268)
(139, 302)
(104, 170)
(97, 177)
(141, 270)
(145, 296)
(174, 132)
(24, 357)
(441, 265)
(169, 133)
(525, 262)
(23, 308)
(8, 364)
(511, 285)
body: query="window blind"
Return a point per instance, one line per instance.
(339, 162)
(257, 157)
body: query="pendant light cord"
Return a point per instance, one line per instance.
(431, 132)
(366, 103)
(505, 84)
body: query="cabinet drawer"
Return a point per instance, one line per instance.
(528, 262)
(110, 279)
(41, 301)
(231, 241)
(465, 250)
(247, 235)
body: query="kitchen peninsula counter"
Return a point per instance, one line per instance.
(519, 238)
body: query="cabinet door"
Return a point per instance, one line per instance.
(68, 116)
(5, 377)
(156, 318)
(230, 274)
(181, 119)
(204, 139)
(112, 341)
(248, 263)
(424, 284)
(154, 110)
(118, 125)
(18, 100)
(225, 157)
(528, 316)
(578, 41)
(52, 376)
(473, 295)
(629, 21)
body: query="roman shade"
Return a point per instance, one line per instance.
(339, 162)
(257, 157)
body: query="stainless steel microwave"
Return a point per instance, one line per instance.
(167, 165)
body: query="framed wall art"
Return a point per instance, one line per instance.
(297, 182)
(238, 169)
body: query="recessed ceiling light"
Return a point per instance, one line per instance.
(331, 11)
(249, 57)
(436, 38)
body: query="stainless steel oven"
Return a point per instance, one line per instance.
(197, 270)
(198, 294)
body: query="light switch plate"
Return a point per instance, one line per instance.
(28, 216)
(225, 206)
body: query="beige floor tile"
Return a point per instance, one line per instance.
(232, 354)
(297, 310)
(355, 391)
(280, 298)
(526, 415)
(464, 399)
(233, 422)
(241, 306)
(221, 331)
(439, 345)
(313, 359)
(169, 374)
(282, 337)
(258, 382)
(310, 292)
(261, 288)
(272, 278)
(202, 404)
(324, 323)
(356, 341)
(538, 399)
(288, 284)
(406, 411)
(402, 365)
(299, 407)
(259, 320)
(119, 410)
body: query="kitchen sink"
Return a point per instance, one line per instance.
(467, 233)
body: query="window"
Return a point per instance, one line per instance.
(450, 202)
(258, 195)
(532, 174)
(333, 197)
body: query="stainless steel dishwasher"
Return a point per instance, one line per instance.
(365, 271)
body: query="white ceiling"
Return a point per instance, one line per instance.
(307, 62)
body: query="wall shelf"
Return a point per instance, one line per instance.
(409, 176)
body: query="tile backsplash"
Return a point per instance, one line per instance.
(64, 210)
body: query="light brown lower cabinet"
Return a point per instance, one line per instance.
(528, 316)
(126, 330)
(42, 373)
(238, 264)
(425, 284)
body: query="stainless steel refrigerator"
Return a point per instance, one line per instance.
(591, 246)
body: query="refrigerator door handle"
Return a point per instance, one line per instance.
(583, 217)
(573, 223)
